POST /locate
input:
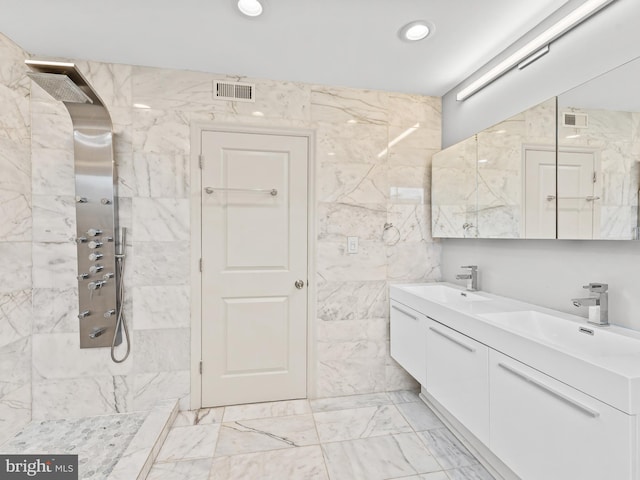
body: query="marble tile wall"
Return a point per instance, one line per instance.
(15, 241)
(373, 153)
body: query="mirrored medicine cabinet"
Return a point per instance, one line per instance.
(568, 168)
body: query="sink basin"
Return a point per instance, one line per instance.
(582, 339)
(444, 294)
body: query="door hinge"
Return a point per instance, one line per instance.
(200, 368)
(595, 177)
(200, 263)
(200, 159)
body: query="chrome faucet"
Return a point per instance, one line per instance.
(598, 304)
(471, 277)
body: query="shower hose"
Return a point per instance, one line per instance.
(120, 322)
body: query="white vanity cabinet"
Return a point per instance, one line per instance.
(408, 340)
(457, 369)
(536, 394)
(544, 429)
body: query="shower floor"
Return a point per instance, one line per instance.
(119, 446)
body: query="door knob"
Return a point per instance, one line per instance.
(299, 284)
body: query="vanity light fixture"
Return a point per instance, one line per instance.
(251, 8)
(535, 46)
(414, 31)
(532, 58)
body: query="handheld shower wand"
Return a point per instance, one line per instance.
(121, 323)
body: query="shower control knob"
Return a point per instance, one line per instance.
(105, 201)
(108, 313)
(86, 313)
(93, 269)
(92, 232)
(81, 199)
(95, 256)
(96, 285)
(83, 276)
(107, 275)
(94, 244)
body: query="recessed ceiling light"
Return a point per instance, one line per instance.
(414, 31)
(251, 8)
(257, 114)
(141, 105)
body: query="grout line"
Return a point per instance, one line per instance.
(324, 459)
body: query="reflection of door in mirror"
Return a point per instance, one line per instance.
(603, 116)
(578, 204)
(608, 143)
(540, 193)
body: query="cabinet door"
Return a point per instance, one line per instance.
(458, 373)
(544, 429)
(408, 340)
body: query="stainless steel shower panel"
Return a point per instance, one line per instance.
(96, 206)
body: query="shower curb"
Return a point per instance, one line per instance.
(137, 460)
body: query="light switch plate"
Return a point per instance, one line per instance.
(352, 244)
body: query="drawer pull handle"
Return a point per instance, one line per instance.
(404, 312)
(452, 339)
(561, 396)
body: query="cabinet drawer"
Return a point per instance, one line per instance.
(408, 340)
(458, 377)
(544, 429)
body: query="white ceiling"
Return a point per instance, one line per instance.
(334, 42)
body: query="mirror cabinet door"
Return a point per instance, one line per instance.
(454, 191)
(598, 157)
(516, 175)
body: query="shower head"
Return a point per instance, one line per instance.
(60, 87)
(63, 81)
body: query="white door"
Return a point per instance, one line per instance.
(576, 200)
(254, 251)
(540, 194)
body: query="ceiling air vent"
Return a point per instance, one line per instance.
(575, 120)
(238, 92)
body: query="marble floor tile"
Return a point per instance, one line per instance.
(447, 449)
(472, 472)
(304, 463)
(362, 422)
(404, 396)
(248, 436)
(426, 476)
(204, 416)
(265, 410)
(192, 442)
(186, 470)
(378, 458)
(349, 401)
(419, 416)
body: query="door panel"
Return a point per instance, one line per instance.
(254, 320)
(575, 195)
(540, 193)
